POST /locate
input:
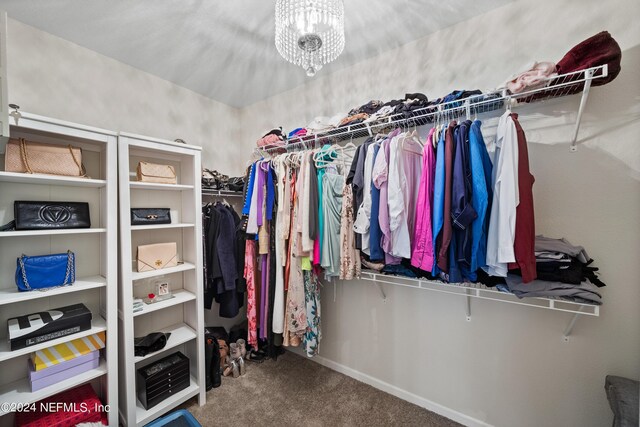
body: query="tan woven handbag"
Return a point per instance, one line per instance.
(35, 157)
(161, 174)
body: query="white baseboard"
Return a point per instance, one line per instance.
(400, 393)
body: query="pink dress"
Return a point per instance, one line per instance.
(249, 275)
(423, 254)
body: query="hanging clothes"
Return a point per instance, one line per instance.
(481, 168)
(363, 216)
(438, 201)
(349, 255)
(375, 232)
(312, 333)
(525, 232)
(250, 274)
(462, 211)
(502, 222)
(333, 186)
(446, 232)
(380, 177)
(422, 256)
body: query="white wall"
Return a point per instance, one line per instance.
(53, 77)
(509, 365)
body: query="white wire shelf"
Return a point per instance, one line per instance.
(477, 290)
(558, 86)
(221, 193)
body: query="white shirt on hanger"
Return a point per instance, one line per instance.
(502, 222)
(398, 215)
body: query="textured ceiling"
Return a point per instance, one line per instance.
(225, 49)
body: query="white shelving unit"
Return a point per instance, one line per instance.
(95, 250)
(182, 315)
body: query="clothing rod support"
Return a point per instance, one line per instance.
(468, 306)
(572, 323)
(588, 76)
(384, 296)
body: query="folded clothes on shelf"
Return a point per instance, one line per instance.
(585, 292)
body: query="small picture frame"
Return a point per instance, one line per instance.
(162, 288)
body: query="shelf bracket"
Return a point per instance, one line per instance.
(588, 76)
(467, 306)
(369, 129)
(384, 296)
(572, 323)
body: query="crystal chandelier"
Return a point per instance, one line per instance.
(310, 33)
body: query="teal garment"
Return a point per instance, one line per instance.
(327, 158)
(321, 173)
(333, 185)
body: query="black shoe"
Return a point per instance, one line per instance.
(208, 359)
(216, 373)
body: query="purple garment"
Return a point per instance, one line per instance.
(383, 216)
(412, 172)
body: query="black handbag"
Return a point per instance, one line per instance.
(151, 343)
(31, 215)
(235, 183)
(150, 216)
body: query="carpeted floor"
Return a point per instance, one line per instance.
(297, 391)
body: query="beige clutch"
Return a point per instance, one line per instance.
(35, 157)
(151, 172)
(157, 256)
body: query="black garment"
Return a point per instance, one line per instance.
(313, 201)
(358, 183)
(225, 271)
(574, 272)
(224, 262)
(210, 232)
(368, 108)
(462, 212)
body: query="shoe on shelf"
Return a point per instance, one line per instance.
(224, 353)
(243, 347)
(231, 369)
(241, 365)
(254, 356)
(235, 351)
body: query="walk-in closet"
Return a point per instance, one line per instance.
(319, 213)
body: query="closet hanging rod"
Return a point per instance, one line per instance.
(221, 193)
(558, 86)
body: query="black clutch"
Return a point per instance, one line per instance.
(51, 215)
(150, 216)
(151, 343)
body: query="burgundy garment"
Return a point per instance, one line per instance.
(596, 50)
(524, 242)
(447, 231)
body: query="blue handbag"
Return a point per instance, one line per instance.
(45, 271)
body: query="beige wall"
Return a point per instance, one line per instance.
(509, 365)
(53, 77)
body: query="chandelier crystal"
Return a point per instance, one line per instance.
(310, 33)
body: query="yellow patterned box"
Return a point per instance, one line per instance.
(70, 350)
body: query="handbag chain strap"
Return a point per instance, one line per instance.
(66, 276)
(25, 158)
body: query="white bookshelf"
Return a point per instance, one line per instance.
(182, 315)
(95, 251)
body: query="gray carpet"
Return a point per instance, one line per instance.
(297, 391)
